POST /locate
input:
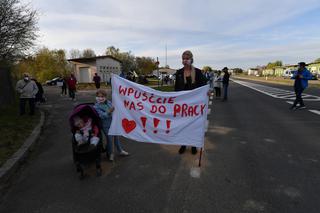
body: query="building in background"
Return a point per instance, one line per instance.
(85, 68)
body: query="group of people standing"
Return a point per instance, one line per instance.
(31, 91)
(219, 82)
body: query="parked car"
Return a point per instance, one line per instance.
(288, 73)
(314, 77)
(53, 81)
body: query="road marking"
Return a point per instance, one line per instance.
(315, 111)
(209, 111)
(210, 102)
(276, 92)
(290, 102)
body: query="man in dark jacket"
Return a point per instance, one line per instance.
(225, 83)
(188, 78)
(96, 80)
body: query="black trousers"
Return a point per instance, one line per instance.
(218, 91)
(22, 105)
(63, 90)
(72, 93)
(299, 99)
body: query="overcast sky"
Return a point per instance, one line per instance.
(233, 33)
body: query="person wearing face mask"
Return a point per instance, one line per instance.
(104, 108)
(189, 78)
(27, 90)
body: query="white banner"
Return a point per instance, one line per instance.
(147, 115)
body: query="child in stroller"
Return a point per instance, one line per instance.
(86, 137)
(85, 131)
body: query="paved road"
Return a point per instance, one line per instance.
(259, 157)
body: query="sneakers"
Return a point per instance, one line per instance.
(297, 107)
(124, 153)
(301, 107)
(293, 108)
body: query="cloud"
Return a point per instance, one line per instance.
(233, 33)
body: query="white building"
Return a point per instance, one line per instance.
(85, 68)
(253, 71)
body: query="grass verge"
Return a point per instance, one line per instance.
(165, 88)
(14, 129)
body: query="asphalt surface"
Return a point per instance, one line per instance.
(259, 157)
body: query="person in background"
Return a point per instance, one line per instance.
(217, 83)
(39, 96)
(27, 89)
(301, 77)
(225, 82)
(122, 75)
(64, 86)
(188, 78)
(97, 80)
(72, 82)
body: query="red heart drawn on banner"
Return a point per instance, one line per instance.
(127, 125)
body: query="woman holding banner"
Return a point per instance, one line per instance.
(188, 78)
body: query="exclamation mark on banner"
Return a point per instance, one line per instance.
(144, 121)
(155, 123)
(168, 126)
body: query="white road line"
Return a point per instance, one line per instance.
(210, 102)
(290, 102)
(209, 111)
(315, 111)
(276, 92)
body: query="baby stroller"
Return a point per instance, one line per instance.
(86, 153)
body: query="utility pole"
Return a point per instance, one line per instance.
(166, 56)
(157, 63)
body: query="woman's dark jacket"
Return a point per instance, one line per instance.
(200, 80)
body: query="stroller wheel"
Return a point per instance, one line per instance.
(80, 169)
(99, 172)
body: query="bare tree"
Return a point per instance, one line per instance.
(88, 53)
(17, 28)
(18, 31)
(75, 53)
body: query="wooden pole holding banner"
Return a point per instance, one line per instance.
(200, 157)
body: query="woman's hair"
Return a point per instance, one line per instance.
(101, 92)
(188, 53)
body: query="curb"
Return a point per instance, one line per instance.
(13, 163)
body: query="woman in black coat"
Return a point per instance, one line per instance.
(188, 78)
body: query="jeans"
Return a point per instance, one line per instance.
(218, 91)
(63, 90)
(225, 91)
(110, 138)
(110, 144)
(22, 105)
(299, 99)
